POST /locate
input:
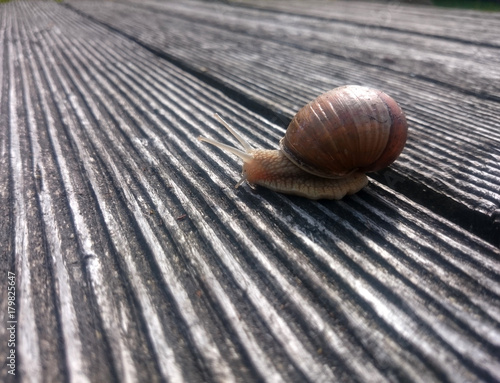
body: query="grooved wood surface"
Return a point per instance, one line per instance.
(135, 258)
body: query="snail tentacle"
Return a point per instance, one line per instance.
(246, 156)
(236, 135)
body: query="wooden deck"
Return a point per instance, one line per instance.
(136, 260)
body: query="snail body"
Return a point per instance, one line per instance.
(329, 145)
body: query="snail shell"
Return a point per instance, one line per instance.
(329, 145)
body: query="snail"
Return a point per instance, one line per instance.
(329, 145)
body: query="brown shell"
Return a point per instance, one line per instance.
(348, 129)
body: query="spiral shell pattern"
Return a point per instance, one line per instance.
(346, 130)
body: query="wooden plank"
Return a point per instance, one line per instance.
(463, 64)
(448, 23)
(136, 259)
(466, 66)
(452, 160)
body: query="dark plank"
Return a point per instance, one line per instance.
(136, 259)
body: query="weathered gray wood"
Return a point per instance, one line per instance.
(137, 260)
(449, 92)
(379, 36)
(452, 24)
